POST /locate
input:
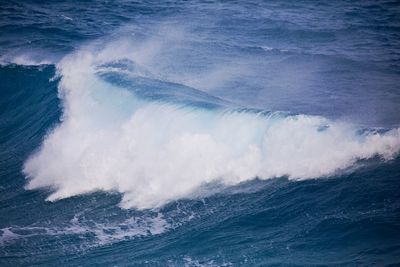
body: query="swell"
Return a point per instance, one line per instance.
(28, 108)
(125, 128)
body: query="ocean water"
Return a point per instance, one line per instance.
(199, 133)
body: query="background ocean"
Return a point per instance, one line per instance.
(199, 133)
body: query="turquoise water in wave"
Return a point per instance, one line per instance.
(199, 133)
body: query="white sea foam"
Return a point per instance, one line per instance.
(155, 152)
(101, 233)
(7, 235)
(24, 60)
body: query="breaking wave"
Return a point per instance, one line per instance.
(127, 128)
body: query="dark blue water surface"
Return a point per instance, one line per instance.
(335, 59)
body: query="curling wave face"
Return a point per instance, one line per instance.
(125, 128)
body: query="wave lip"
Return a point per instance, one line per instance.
(157, 150)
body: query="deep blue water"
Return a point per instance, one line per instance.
(200, 133)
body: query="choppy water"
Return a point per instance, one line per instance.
(199, 133)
